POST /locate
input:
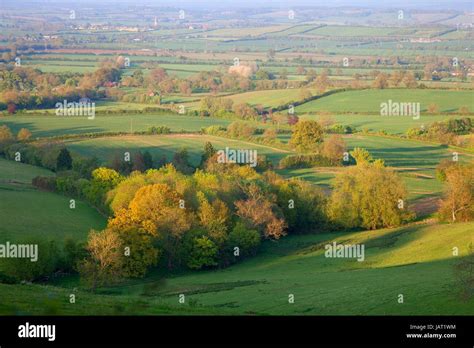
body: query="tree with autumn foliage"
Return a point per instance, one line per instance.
(457, 204)
(214, 217)
(23, 134)
(334, 148)
(104, 263)
(6, 137)
(103, 180)
(160, 211)
(368, 195)
(381, 81)
(260, 212)
(307, 135)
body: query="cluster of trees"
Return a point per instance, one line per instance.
(158, 130)
(308, 136)
(79, 177)
(214, 217)
(241, 130)
(214, 106)
(306, 161)
(7, 138)
(24, 87)
(159, 82)
(221, 213)
(395, 79)
(222, 107)
(445, 132)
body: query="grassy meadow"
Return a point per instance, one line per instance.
(47, 126)
(369, 100)
(26, 212)
(167, 145)
(415, 261)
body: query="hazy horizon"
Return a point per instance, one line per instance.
(460, 5)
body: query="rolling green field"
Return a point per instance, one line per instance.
(369, 100)
(46, 126)
(158, 145)
(415, 261)
(19, 173)
(57, 66)
(415, 161)
(29, 213)
(403, 153)
(420, 184)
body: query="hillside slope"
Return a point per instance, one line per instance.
(415, 261)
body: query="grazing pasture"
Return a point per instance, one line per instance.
(369, 100)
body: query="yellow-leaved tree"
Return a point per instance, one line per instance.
(458, 200)
(161, 212)
(368, 195)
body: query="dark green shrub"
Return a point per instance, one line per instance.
(247, 241)
(199, 251)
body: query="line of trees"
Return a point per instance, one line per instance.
(446, 132)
